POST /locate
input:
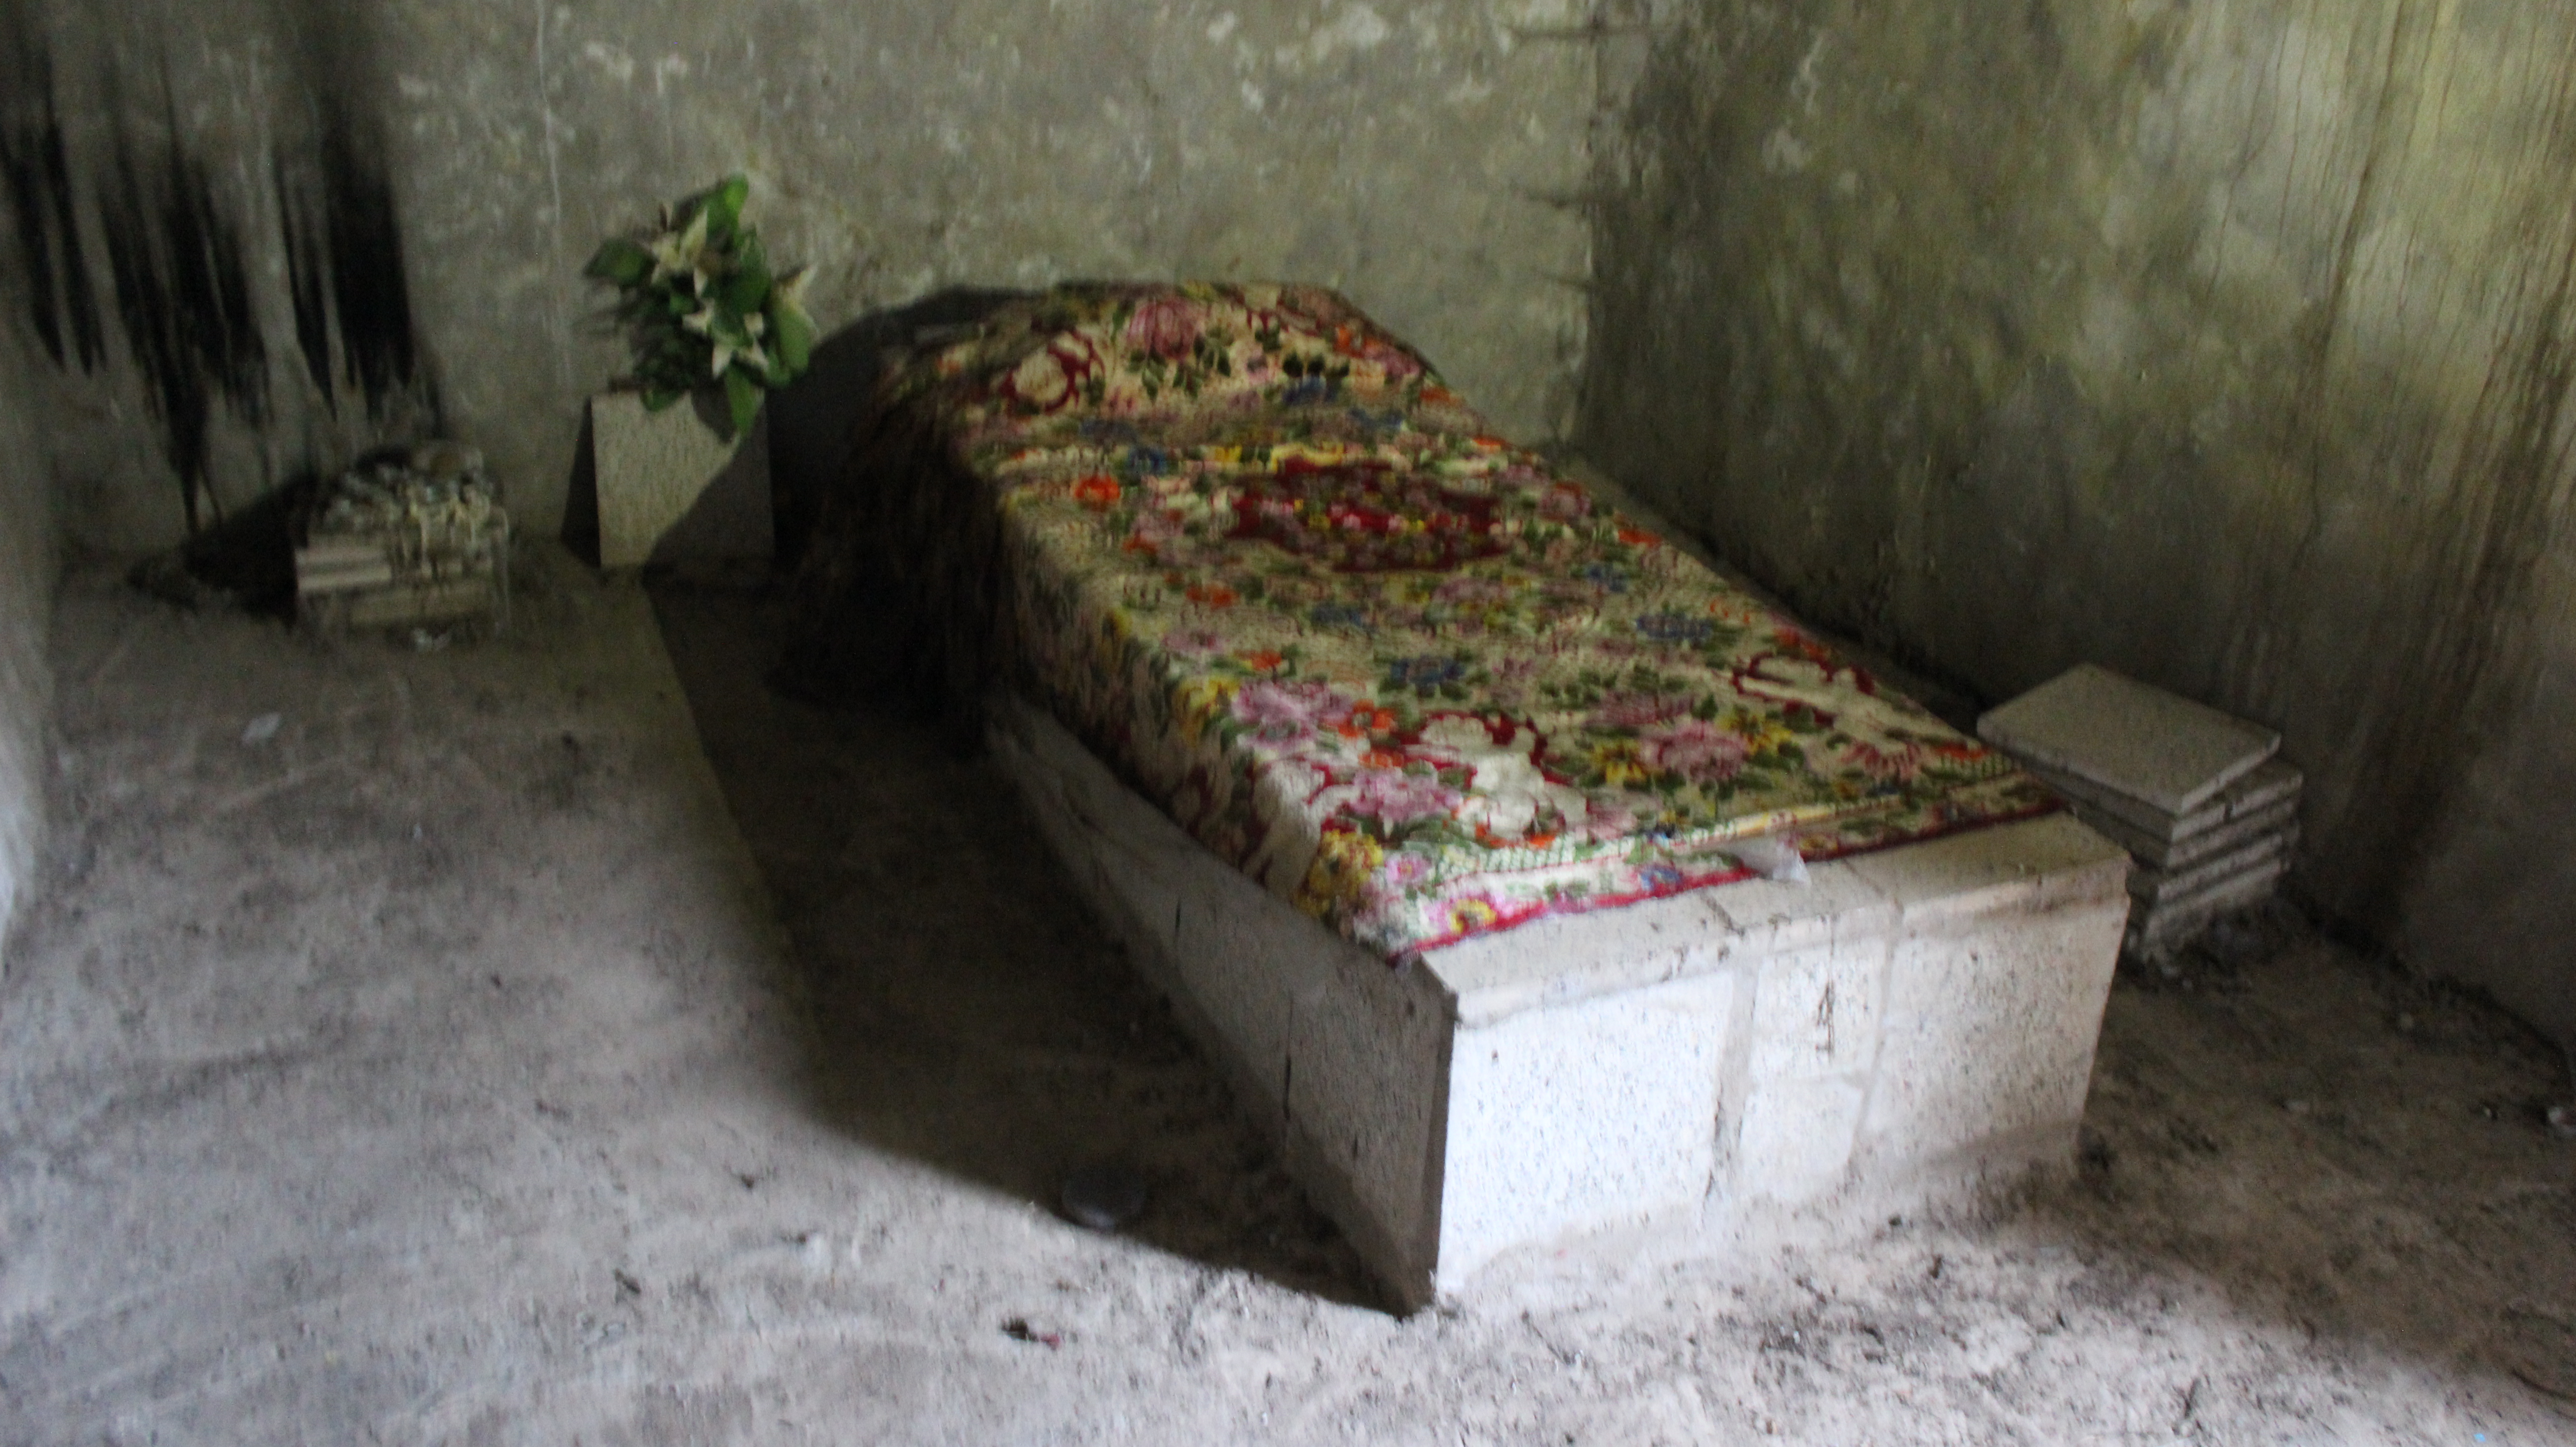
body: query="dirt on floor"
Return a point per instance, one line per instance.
(465, 1056)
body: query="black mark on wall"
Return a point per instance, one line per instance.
(366, 265)
(340, 227)
(61, 307)
(344, 259)
(307, 273)
(185, 302)
(187, 250)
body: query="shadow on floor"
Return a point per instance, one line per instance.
(969, 1013)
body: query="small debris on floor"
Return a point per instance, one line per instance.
(2562, 1122)
(1103, 1196)
(261, 729)
(1018, 1329)
(411, 539)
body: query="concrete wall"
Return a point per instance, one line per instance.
(2225, 343)
(26, 596)
(298, 226)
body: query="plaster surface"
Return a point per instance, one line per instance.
(459, 160)
(284, 1163)
(2225, 345)
(26, 608)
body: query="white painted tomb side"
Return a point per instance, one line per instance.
(1906, 1026)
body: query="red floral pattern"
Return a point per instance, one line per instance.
(1399, 671)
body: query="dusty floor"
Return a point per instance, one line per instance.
(430, 1072)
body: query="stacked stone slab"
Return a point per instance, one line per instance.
(2196, 796)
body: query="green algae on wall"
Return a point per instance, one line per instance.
(2222, 343)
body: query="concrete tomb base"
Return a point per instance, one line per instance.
(1907, 1025)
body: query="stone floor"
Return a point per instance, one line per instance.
(472, 1062)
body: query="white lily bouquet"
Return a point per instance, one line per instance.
(703, 308)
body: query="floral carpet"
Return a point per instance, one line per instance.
(1407, 676)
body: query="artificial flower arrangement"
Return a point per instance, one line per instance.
(702, 307)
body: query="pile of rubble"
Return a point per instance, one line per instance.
(406, 539)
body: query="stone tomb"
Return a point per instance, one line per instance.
(1905, 1026)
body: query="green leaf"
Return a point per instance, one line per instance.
(723, 207)
(791, 334)
(748, 285)
(742, 394)
(659, 399)
(725, 324)
(620, 262)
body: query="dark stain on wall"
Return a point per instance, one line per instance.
(366, 262)
(187, 247)
(61, 306)
(301, 225)
(184, 299)
(2474, 668)
(344, 265)
(1878, 397)
(341, 228)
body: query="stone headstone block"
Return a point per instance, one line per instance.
(2139, 741)
(670, 490)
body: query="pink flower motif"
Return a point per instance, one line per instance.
(1165, 327)
(1472, 589)
(1405, 868)
(1700, 752)
(1565, 502)
(1900, 762)
(1605, 820)
(1638, 710)
(1194, 642)
(1285, 712)
(1153, 530)
(1399, 797)
(1395, 363)
(1316, 306)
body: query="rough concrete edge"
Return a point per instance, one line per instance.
(1020, 733)
(2035, 866)
(2035, 862)
(31, 563)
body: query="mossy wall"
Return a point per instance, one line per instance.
(2225, 343)
(287, 229)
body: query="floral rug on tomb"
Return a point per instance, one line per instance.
(1405, 675)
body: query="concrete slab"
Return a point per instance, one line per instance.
(2165, 886)
(2168, 926)
(2135, 739)
(2274, 783)
(2154, 852)
(1916, 1020)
